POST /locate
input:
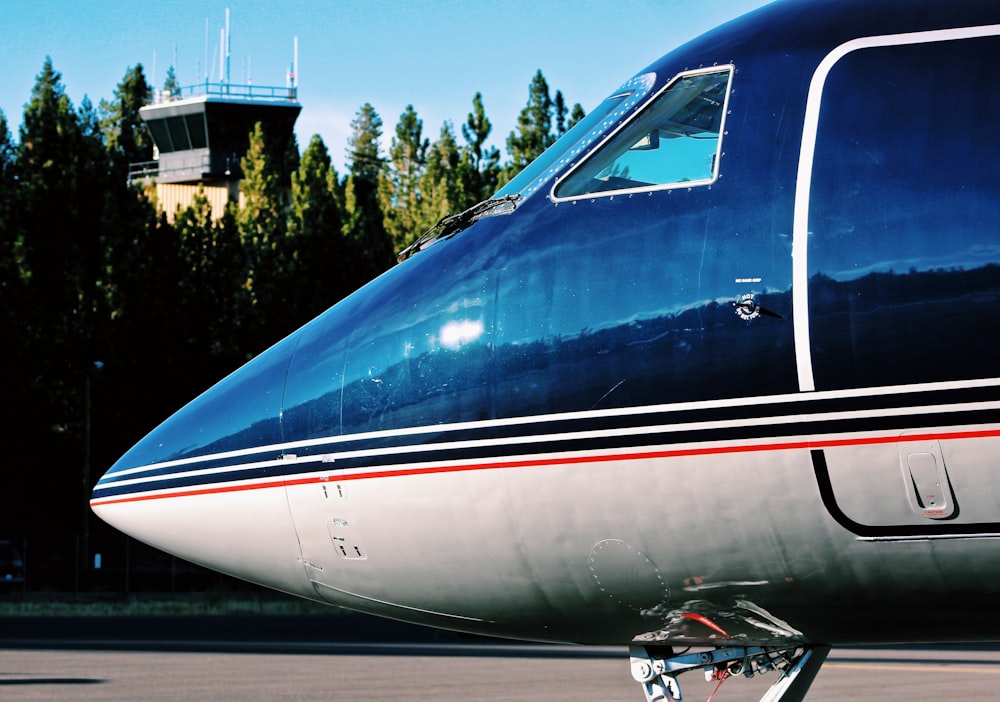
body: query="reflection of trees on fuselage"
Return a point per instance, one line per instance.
(706, 352)
(888, 328)
(862, 331)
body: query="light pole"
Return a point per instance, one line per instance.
(93, 370)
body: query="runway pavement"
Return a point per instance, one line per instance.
(44, 660)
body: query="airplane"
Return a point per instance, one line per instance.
(713, 379)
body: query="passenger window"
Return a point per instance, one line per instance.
(674, 142)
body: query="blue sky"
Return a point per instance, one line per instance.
(434, 55)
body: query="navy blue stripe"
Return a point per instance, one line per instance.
(102, 491)
(206, 463)
(514, 449)
(735, 414)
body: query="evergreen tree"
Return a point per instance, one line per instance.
(12, 289)
(560, 109)
(129, 215)
(363, 225)
(480, 167)
(214, 301)
(320, 259)
(315, 209)
(9, 237)
(363, 151)
(173, 328)
(288, 153)
(12, 312)
(132, 228)
(127, 277)
(535, 130)
(476, 130)
(61, 174)
(230, 260)
(442, 183)
(170, 86)
(126, 136)
(95, 193)
(48, 136)
(262, 223)
(534, 127)
(89, 126)
(399, 190)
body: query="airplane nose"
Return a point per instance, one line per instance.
(213, 469)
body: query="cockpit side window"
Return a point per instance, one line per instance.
(674, 142)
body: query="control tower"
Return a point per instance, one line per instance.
(203, 131)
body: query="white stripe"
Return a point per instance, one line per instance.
(325, 475)
(239, 467)
(800, 223)
(332, 458)
(565, 416)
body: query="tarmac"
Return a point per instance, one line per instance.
(359, 658)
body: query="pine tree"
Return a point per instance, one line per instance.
(96, 192)
(126, 135)
(13, 312)
(480, 167)
(442, 183)
(12, 289)
(212, 264)
(399, 190)
(315, 210)
(129, 271)
(170, 86)
(62, 174)
(9, 236)
(363, 225)
(364, 154)
(560, 109)
(159, 329)
(534, 127)
(320, 253)
(262, 223)
(128, 214)
(231, 261)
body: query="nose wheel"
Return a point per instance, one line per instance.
(657, 668)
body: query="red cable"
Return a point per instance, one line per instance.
(723, 676)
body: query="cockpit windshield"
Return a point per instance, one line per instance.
(584, 134)
(674, 142)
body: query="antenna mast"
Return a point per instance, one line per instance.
(228, 41)
(293, 70)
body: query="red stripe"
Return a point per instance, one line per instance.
(571, 460)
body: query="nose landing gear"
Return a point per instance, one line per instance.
(657, 668)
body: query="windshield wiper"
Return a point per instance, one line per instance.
(450, 225)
